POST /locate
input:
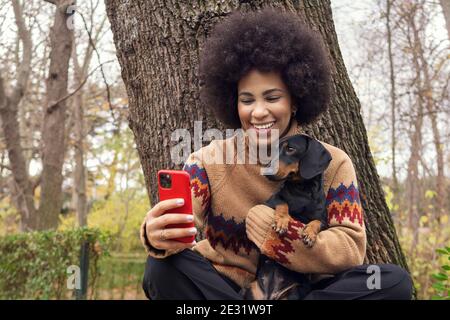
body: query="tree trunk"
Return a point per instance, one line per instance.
(53, 146)
(158, 48)
(445, 4)
(393, 94)
(80, 198)
(79, 174)
(412, 180)
(21, 185)
(80, 74)
(427, 92)
(21, 188)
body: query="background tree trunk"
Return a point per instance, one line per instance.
(79, 176)
(445, 4)
(21, 185)
(81, 64)
(53, 132)
(158, 48)
(393, 96)
(80, 72)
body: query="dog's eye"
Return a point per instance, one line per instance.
(290, 149)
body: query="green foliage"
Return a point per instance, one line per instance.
(34, 265)
(9, 218)
(422, 257)
(121, 276)
(120, 215)
(421, 244)
(389, 196)
(442, 283)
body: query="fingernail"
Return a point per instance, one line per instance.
(189, 218)
(180, 201)
(193, 230)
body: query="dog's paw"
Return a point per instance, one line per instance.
(308, 237)
(278, 229)
(281, 225)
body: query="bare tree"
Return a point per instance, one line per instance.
(52, 126)
(428, 64)
(94, 32)
(393, 97)
(53, 148)
(9, 110)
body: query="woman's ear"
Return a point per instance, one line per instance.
(294, 109)
(315, 160)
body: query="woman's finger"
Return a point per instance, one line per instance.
(173, 233)
(171, 218)
(164, 205)
(174, 245)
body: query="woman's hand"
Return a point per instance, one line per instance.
(156, 221)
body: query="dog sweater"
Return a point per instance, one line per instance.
(228, 206)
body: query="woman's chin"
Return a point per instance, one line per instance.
(263, 138)
(263, 142)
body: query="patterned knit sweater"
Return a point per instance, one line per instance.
(227, 204)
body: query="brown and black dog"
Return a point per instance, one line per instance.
(302, 161)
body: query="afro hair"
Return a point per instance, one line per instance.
(267, 40)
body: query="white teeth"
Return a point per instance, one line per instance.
(264, 126)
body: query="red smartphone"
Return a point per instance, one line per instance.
(176, 184)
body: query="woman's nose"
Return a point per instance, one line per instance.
(260, 111)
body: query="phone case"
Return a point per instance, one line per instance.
(181, 188)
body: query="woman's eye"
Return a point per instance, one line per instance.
(246, 101)
(272, 99)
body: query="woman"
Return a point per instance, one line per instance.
(261, 71)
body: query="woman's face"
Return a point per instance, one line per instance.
(264, 104)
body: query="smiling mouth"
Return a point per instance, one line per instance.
(263, 126)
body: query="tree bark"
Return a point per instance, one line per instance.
(80, 74)
(22, 189)
(53, 146)
(158, 48)
(445, 4)
(430, 104)
(79, 177)
(393, 95)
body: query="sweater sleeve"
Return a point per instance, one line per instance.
(200, 192)
(337, 248)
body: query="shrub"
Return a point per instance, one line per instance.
(34, 265)
(442, 283)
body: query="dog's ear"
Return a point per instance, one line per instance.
(315, 160)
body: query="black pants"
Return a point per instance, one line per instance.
(187, 275)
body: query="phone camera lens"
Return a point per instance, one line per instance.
(166, 180)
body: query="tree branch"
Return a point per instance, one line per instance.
(108, 92)
(25, 65)
(4, 166)
(54, 105)
(3, 97)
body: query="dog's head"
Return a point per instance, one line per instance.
(300, 158)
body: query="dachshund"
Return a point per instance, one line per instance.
(302, 161)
